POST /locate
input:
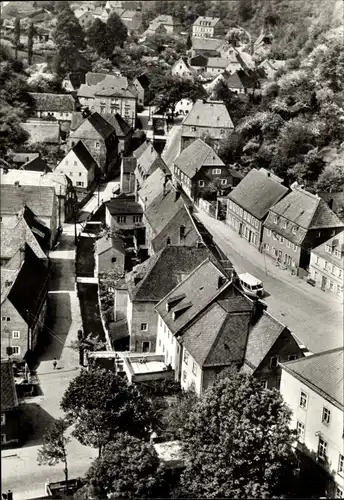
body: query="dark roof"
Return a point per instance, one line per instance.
(128, 165)
(84, 155)
(322, 372)
(77, 119)
(40, 199)
(38, 227)
(210, 114)
(53, 102)
(161, 273)
(143, 80)
(37, 165)
(124, 206)
(105, 243)
(14, 239)
(22, 157)
(262, 337)
(335, 243)
(101, 125)
(9, 398)
(116, 121)
(148, 158)
(195, 156)
(257, 193)
(198, 61)
(29, 291)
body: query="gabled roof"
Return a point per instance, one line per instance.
(190, 297)
(29, 290)
(143, 80)
(118, 123)
(158, 275)
(148, 158)
(335, 243)
(40, 199)
(210, 114)
(53, 102)
(205, 44)
(257, 193)
(95, 78)
(307, 210)
(152, 186)
(36, 165)
(15, 238)
(322, 372)
(197, 155)
(83, 154)
(211, 21)
(262, 337)
(128, 165)
(9, 399)
(106, 243)
(183, 60)
(123, 206)
(8, 277)
(217, 62)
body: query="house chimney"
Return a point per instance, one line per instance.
(221, 281)
(17, 184)
(258, 308)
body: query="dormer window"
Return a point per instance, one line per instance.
(294, 229)
(179, 310)
(276, 219)
(328, 248)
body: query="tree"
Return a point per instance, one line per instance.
(177, 413)
(331, 179)
(238, 442)
(128, 468)
(171, 89)
(16, 40)
(54, 448)
(116, 33)
(245, 10)
(97, 37)
(12, 134)
(100, 404)
(31, 32)
(189, 42)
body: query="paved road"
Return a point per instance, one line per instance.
(172, 148)
(316, 320)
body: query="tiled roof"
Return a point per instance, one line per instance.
(262, 337)
(210, 114)
(217, 62)
(129, 164)
(77, 119)
(29, 290)
(9, 398)
(148, 158)
(323, 372)
(81, 151)
(40, 199)
(114, 92)
(14, 238)
(32, 178)
(118, 123)
(166, 19)
(257, 193)
(22, 157)
(122, 206)
(8, 277)
(162, 272)
(36, 165)
(197, 290)
(234, 81)
(212, 21)
(95, 78)
(105, 243)
(42, 131)
(197, 155)
(86, 90)
(336, 243)
(303, 209)
(152, 186)
(53, 102)
(143, 80)
(206, 43)
(101, 125)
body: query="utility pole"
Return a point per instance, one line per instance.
(75, 220)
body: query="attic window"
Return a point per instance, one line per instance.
(174, 300)
(179, 310)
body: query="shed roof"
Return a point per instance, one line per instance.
(257, 193)
(119, 206)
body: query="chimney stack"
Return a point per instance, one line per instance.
(221, 281)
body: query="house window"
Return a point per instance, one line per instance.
(184, 376)
(274, 236)
(97, 145)
(264, 383)
(268, 232)
(281, 239)
(145, 346)
(276, 220)
(339, 492)
(159, 342)
(223, 181)
(113, 259)
(339, 273)
(121, 219)
(267, 247)
(303, 400)
(66, 163)
(3, 438)
(285, 224)
(75, 163)
(137, 218)
(331, 286)
(337, 253)
(79, 184)
(186, 357)
(322, 448)
(288, 243)
(216, 171)
(300, 429)
(80, 174)
(16, 334)
(326, 416)
(182, 232)
(325, 264)
(3, 419)
(194, 368)
(295, 247)
(294, 229)
(333, 270)
(201, 183)
(144, 326)
(291, 357)
(273, 361)
(168, 241)
(15, 349)
(340, 461)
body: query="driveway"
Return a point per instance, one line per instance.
(315, 319)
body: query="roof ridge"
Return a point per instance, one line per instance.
(316, 355)
(149, 270)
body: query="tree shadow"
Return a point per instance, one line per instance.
(62, 274)
(85, 262)
(53, 336)
(34, 423)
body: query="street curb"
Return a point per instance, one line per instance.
(9, 456)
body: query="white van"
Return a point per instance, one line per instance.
(251, 285)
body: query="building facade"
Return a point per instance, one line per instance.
(206, 27)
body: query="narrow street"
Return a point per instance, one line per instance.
(307, 311)
(172, 148)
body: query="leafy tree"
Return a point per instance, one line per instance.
(245, 9)
(116, 33)
(177, 413)
(188, 42)
(31, 32)
(238, 442)
(16, 40)
(12, 135)
(331, 179)
(128, 468)
(54, 448)
(100, 404)
(97, 37)
(13, 85)
(171, 89)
